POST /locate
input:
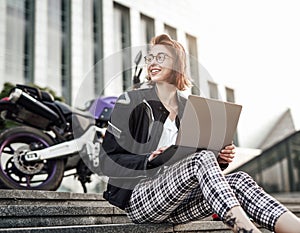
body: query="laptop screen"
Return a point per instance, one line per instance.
(208, 123)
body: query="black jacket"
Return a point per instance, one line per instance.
(134, 131)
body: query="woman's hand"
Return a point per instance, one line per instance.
(157, 152)
(227, 154)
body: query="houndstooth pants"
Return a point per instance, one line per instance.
(195, 187)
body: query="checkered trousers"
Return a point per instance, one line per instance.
(194, 188)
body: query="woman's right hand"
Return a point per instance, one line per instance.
(157, 152)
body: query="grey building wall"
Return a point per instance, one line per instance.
(52, 32)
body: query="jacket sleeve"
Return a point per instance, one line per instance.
(120, 155)
(223, 166)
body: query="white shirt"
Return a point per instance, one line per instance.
(169, 134)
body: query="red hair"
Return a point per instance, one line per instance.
(178, 78)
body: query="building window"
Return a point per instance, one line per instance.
(66, 77)
(193, 63)
(172, 32)
(98, 47)
(29, 15)
(213, 90)
(147, 29)
(15, 41)
(229, 95)
(230, 98)
(121, 42)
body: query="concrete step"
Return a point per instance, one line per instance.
(193, 227)
(47, 211)
(107, 228)
(45, 208)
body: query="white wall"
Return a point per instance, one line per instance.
(82, 52)
(41, 42)
(182, 15)
(2, 40)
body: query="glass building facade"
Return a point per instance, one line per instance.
(277, 169)
(57, 43)
(61, 44)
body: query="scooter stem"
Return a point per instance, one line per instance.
(67, 148)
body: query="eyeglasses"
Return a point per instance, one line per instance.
(160, 58)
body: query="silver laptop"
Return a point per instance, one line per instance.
(206, 124)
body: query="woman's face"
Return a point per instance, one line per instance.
(160, 63)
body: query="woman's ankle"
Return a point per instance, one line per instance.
(287, 223)
(239, 222)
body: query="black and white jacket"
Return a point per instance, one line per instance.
(134, 131)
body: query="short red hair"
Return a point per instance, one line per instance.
(179, 78)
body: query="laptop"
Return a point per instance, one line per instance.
(206, 124)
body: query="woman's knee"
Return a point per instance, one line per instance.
(201, 160)
(240, 175)
(240, 178)
(203, 156)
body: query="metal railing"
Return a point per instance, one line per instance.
(277, 169)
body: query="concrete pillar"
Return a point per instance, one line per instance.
(41, 43)
(2, 42)
(76, 49)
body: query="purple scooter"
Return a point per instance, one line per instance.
(51, 138)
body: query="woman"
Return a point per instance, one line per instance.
(143, 124)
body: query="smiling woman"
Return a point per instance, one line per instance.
(147, 123)
(160, 68)
(170, 55)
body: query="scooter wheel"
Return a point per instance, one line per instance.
(16, 172)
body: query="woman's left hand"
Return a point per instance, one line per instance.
(227, 154)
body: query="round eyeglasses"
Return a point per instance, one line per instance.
(160, 58)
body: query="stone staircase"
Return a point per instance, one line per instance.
(62, 212)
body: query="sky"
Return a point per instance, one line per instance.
(253, 47)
